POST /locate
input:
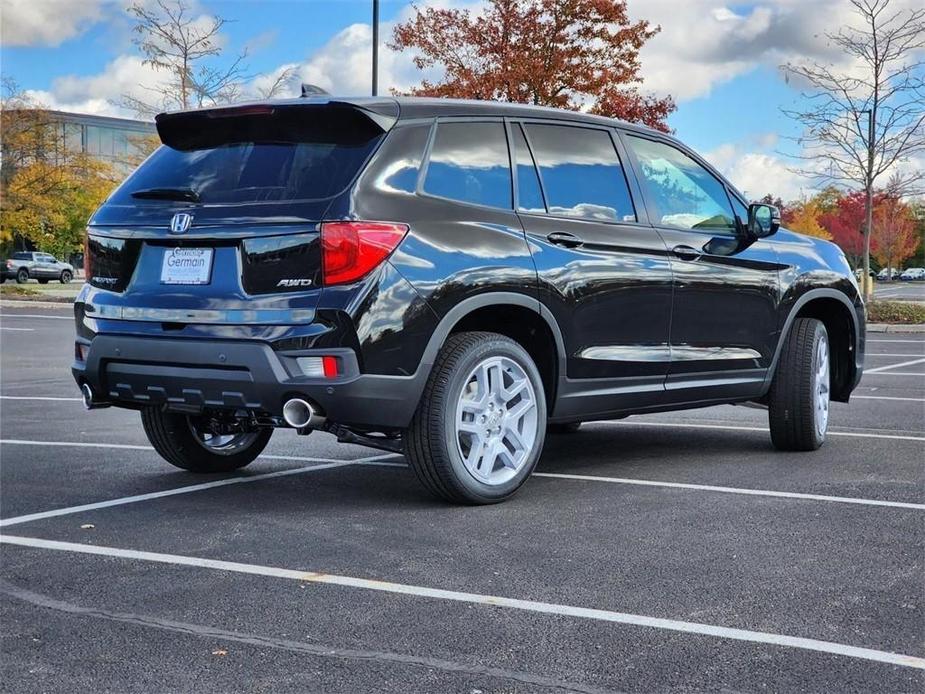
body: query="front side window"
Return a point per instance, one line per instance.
(581, 173)
(683, 193)
(469, 162)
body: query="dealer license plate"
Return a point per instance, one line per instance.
(187, 266)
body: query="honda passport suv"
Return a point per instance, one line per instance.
(448, 279)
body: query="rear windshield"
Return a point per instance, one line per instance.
(251, 172)
(243, 155)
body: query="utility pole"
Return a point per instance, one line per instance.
(375, 47)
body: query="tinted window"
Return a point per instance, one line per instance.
(469, 162)
(683, 193)
(242, 172)
(401, 172)
(22, 256)
(581, 173)
(529, 195)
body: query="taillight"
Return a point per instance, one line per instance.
(351, 250)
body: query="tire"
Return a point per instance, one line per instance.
(173, 437)
(478, 454)
(66, 277)
(22, 276)
(798, 402)
(563, 428)
(43, 281)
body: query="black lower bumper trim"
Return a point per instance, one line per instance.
(192, 375)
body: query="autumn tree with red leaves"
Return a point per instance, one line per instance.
(575, 54)
(895, 237)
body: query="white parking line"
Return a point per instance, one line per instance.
(21, 330)
(894, 366)
(596, 614)
(885, 397)
(727, 427)
(877, 372)
(38, 397)
(889, 354)
(916, 342)
(33, 315)
(732, 490)
(324, 464)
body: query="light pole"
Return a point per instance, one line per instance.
(375, 47)
(868, 203)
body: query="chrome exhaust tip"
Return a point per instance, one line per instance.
(299, 414)
(90, 403)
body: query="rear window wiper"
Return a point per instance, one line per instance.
(186, 194)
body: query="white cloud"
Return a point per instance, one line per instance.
(46, 22)
(704, 43)
(756, 173)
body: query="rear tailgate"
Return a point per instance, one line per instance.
(225, 216)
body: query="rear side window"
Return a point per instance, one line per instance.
(22, 256)
(683, 193)
(581, 173)
(469, 162)
(529, 195)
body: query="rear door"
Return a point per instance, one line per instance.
(603, 272)
(724, 325)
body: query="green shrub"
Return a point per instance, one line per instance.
(895, 312)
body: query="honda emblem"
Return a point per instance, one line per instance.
(180, 223)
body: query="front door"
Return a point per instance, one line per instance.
(724, 326)
(603, 272)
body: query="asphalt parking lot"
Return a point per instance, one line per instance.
(674, 552)
(900, 291)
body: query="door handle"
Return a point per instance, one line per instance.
(563, 238)
(686, 252)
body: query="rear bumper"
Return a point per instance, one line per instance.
(191, 375)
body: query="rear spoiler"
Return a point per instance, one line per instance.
(305, 119)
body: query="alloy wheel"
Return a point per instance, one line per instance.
(496, 420)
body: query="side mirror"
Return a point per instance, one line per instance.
(763, 220)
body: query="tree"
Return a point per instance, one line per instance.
(846, 225)
(48, 192)
(895, 237)
(803, 218)
(869, 117)
(184, 47)
(770, 199)
(576, 54)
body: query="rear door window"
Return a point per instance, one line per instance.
(469, 162)
(682, 192)
(581, 173)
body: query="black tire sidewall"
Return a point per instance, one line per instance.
(22, 277)
(471, 487)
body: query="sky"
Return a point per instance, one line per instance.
(720, 60)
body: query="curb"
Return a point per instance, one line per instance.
(896, 327)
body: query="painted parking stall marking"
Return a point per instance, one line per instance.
(772, 639)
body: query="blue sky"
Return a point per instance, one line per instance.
(720, 60)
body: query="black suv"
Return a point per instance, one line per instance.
(450, 279)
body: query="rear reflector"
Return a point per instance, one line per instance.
(319, 367)
(351, 250)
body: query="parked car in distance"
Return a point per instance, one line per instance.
(23, 266)
(448, 279)
(913, 274)
(887, 275)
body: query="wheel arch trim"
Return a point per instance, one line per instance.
(803, 300)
